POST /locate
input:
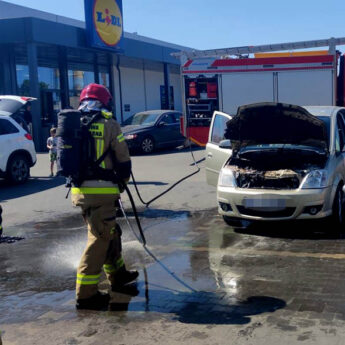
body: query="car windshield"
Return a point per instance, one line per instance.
(142, 119)
(327, 121)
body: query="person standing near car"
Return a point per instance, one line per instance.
(96, 196)
(28, 116)
(51, 145)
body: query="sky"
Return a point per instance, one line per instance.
(205, 24)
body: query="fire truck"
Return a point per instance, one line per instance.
(224, 79)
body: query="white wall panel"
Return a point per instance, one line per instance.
(154, 80)
(175, 81)
(132, 90)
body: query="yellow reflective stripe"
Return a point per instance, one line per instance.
(119, 263)
(107, 114)
(98, 148)
(85, 279)
(82, 276)
(80, 282)
(112, 231)
(95, 190)
(109, 268)
(120, 138)
(101, 151)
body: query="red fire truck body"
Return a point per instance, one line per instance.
(224, 83)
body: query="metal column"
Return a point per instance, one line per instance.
(111, 64)
(8, 75)
(63, 76)
(35, 92)
(95, 68)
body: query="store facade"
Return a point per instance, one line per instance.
(52, 61)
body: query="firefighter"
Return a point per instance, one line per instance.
(97, 200)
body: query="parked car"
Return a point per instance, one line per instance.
(149, 130)
(278, 162)
(17, 150)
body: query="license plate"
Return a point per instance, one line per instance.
(277, 203)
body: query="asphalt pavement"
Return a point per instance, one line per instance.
(201, 281)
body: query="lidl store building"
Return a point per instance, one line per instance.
(49, 57)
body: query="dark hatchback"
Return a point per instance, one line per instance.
(150, 130)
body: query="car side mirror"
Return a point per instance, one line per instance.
(225, 144)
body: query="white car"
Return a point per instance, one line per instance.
(283, 162)
(17, 150)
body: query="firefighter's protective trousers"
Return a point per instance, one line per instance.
(97, 201)
(103, 249)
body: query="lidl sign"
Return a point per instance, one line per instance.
(104, 23)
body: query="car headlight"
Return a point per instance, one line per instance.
(130, 136)
(315, 179)
(227, 178)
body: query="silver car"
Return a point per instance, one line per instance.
(275, 161)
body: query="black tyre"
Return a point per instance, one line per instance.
(18, 170)
(338, 210)
(147, 145)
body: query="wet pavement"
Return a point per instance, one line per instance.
(201, 282)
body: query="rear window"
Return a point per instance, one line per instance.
(6, 127)
(142, 119)
(9, 106)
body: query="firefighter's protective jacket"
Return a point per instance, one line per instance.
(107, 134)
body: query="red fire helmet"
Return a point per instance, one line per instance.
(97, 92)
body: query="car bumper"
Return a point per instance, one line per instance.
(286, 205)
(133, 144)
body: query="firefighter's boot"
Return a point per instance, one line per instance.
(123, 277)
(99, 301)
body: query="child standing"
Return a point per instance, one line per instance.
(51, 145)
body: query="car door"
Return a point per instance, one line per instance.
(166, 130)
(216, 156)
(341, 129)
(8, 141)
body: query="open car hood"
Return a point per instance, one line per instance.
(275, 123)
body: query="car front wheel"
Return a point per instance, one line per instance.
(338, 209)
(18, 170)
(147, 145)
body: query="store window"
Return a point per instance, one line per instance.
(77, 80)
(104, 79)
(49, 82)
(23, 82)
(48, 78)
